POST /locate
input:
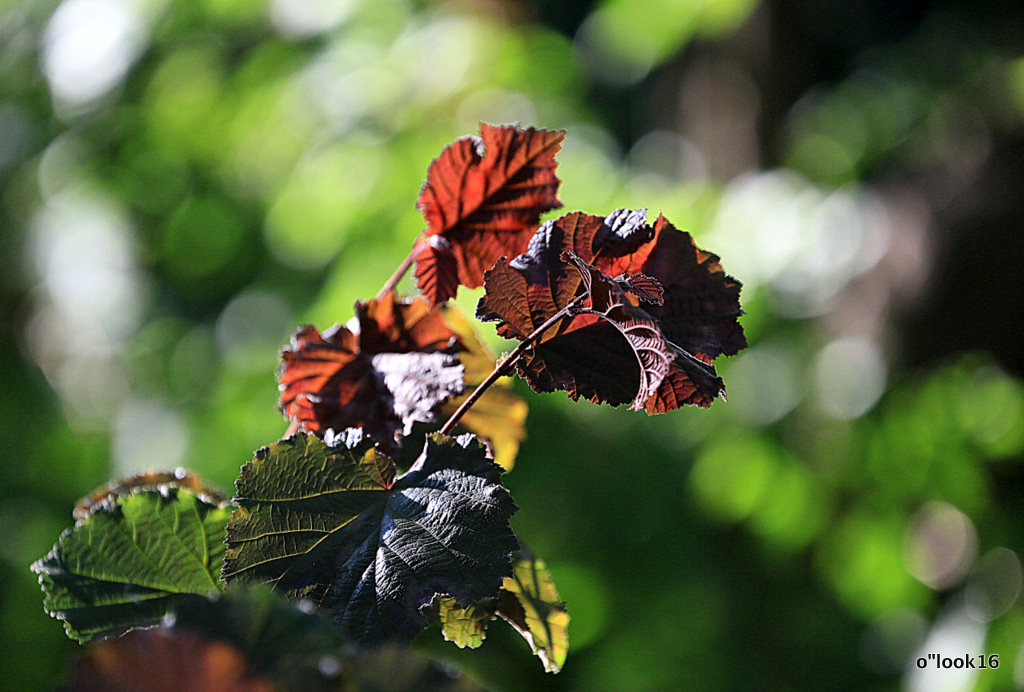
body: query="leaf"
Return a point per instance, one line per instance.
(334, 525)
(619, 357)
(396, 368)
(160, 661)
(698, 313)
(606, 350)
(437, 271)
(530, 603)
(608, 301)
(499, 415)
(483, 197)
(251, 640)
(275, 634)
(418, 383)
(464, 627)
(701, 301)
(150, 480)
(246, 639)
(646, 288)
(131, 559)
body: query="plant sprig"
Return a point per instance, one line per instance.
(609, 308)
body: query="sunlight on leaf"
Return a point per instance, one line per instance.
(530, 603)
(483, 199)
(397, 368)
(131, 559)
(464, 627)
(331, 523)
(660, 310)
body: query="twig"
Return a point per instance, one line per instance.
(499, 371)
(506, 364)
(390, 284)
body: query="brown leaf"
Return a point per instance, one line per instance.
(159, 661)
(484, 196)
(624, 357)
(149, 480)
(396, 369)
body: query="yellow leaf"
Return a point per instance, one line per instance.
(530, 603)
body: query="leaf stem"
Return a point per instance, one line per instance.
(506, 364)
(390, 284)
(293, 427)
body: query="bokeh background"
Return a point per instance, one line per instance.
(184, 181)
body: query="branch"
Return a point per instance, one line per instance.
(501, 369)
(390, 284)
(506, 364)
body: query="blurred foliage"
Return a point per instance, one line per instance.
(181, 183)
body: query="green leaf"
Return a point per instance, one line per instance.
(331, 523)
(530, 603)
(131, 559)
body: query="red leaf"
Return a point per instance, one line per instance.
(699, 310)
(608, 302)
(701, 302)
(484, 196)
(646, 288)
(159, 661)
(685, 384)
(396, 369)
(437, 272)
(688, 316)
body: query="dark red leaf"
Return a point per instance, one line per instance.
(484, 196)
(698, 314)
(393, 325)
(657, 354)
(609, 303)
(646, 288)
(688, 382)
(159, 661)
(701, 303)
(437, 273)
(396, 369)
